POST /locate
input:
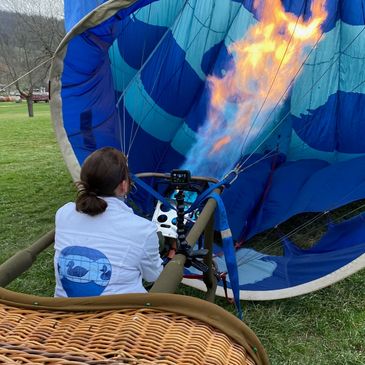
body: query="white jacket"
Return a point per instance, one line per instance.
(106, 254)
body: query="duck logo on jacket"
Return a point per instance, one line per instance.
(83, 271)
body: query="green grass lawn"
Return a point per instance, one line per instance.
(34, 183)
(322, 328)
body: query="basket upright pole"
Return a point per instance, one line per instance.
(173, 272)
(23, 260)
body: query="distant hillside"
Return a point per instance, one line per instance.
(26, 41)
(11, 22)
(7, 21)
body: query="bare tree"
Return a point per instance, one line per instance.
(28, 40)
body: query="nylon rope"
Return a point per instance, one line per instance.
(278, 242)
(312, 220)
(188, 4)
(163, 89)
(132, 139)
(134, 133)
(116, 94)
(150, 56)
(225, 35)
(289, 86)
(26, 74)
(306, 224)
(278, 103)
(273, 80)
(297, 148)
(124, 105)
(226, 32)
(288, 113)
(116, 45)
(139, 104)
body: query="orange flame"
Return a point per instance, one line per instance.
(277, 42)
(221, 143)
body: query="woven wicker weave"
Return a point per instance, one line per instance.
(125, 336)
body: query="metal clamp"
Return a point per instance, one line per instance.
(194, 258)
(236, 172)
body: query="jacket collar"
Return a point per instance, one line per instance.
(119, 203)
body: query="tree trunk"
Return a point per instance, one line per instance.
(30, 106)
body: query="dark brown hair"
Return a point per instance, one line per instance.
(101, 173)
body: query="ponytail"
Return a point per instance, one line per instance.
(101, 173)
(88, 202)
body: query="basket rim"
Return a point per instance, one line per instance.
(192, 307)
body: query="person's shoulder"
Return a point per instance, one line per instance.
(123, 218)
(144, 222)
(65, 208)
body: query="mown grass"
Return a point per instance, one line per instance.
(34, 183)
(322, 328)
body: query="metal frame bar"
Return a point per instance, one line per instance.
(23, 260)
(172, 274)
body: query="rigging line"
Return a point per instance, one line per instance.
(113, 60)
(209, 27)
(161, 64)
(292, 149)
(283, 95)
(243, 168)
(116, 45)
(312, 220)
(273, 80)
(145, 103)
(301, 227)
(176, 21)
(240, 167)
(266, 156)
(358, 85)
(338, 219)
(278, 102)
(203, 24)
(142, 61)
(278, 243)
(26, 74)
(226, 32)
(269, 155)
(178, 69)
(289, 86)
(350, 214)
(151, 54)
(315, 229)
(141, 107)
(124, 148)
(122, 134)
(121, 128)
(288, 113)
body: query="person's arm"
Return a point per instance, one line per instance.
(151, 263)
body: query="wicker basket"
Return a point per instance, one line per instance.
(142, 335)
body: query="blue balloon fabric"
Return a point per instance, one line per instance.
(136, 78)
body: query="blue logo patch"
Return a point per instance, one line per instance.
(83, 271)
